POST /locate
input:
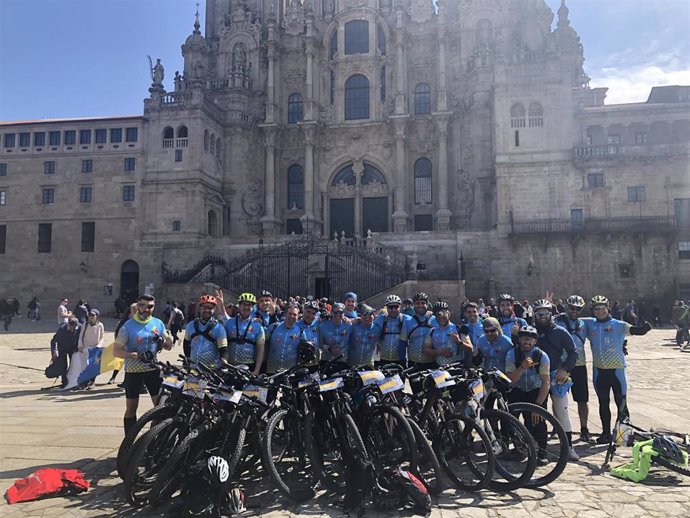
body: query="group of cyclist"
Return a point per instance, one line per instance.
(543, 361)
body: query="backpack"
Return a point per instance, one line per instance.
(359, 479)
(414, 489)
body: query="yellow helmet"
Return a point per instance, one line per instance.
(246, 297)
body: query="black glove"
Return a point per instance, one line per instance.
(642, 329)
(145, 357)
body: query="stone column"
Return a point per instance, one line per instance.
(400, 89)
(270, 87)
(442, 100)
(310, 223)
(309, 52)
(400, 213)
(269, 221)
(442, 214)
(358, 169)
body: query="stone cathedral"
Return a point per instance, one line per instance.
(461, 134)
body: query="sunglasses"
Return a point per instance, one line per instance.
(542, 314)
(574, 309)
(394, 307)
(337, 312)
(145, 306)
(599, 308)
(492, 330)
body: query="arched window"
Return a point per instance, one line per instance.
(346, 175)
(212, 223)
(334, 45)
(213, 144)
(206, 140)
(535, 115)
(380, 40)
(422, 181)
(371, 174)
(517, 116)
(357, 37)
(295, 109)
(422, 99)
(356, 97)
(295, 187)
(182, 132)
(168, 137)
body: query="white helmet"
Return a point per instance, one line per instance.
(219, 469)
(393, 300)
(236, 501)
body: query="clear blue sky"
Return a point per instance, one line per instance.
(81, 58)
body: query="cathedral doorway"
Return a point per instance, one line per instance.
(129, 281)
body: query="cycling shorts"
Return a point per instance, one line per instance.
(580, 388)
(134, 380)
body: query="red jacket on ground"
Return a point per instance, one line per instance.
(46, 482)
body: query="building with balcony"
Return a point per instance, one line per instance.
(463, 134)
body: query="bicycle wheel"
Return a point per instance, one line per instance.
(354, 444)
(464, 450)
(232, 449)
(673, 466)
(389, 439)
(152, 417)
(555, 451)
(428, 467)
(148, 456)
(284, 456)
(514, 447)
(323, 451)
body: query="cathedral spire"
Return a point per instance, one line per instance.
(196, 21)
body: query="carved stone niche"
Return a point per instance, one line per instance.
(294, 20)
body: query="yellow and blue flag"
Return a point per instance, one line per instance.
(100, 361)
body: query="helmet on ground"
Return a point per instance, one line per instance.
(528, 331)
(246, 297)
(505, 296)
(576, 301)
(542, 303)
(236, 501)
(668, 449)
(386, 495)
(420, 296)
(440, 306)
(413, 488)
(266, 293)
(207, 299)
(306, 351)
(218, 469)
(600, 300)
(311, 304)
(393, 300)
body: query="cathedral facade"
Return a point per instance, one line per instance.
(463, 133)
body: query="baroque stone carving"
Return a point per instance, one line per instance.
(421, 10)
(355, 3)
(464, 197)
(252, 200)
(294, 20)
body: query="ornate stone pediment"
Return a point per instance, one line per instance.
(421, 11)
(375, 187)
(342, 190)
(294, 20)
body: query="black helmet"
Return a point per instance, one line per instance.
(440, 306)
(311, 304)
(386, 495)
(505, 296)
(265, 293)
(420, 296)
(668, 449)
(528, 331)
(306, 352)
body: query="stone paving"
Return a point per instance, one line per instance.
(83, 430)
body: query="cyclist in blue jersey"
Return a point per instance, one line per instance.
(246, 336)
(334, 335)
(474, 327)
(265, 309)
(283, 339)
(350, 301)
(205, 337)
(363, 339)
(510, 324)
(391, 325)
(447, 341)
(557, 343)
(138, 342)
(414, 332)
(310, 326)
(492, 346)
(571, 322)
(606, 336)
(529, 369)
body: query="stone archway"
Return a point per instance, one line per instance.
(129, 281)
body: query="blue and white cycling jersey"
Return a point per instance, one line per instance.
(606, 340)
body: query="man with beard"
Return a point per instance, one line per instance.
(283, 339)
(414, 332)
(363, 339)
(447, 342)
(205, 340)
(557, 343)
(510, 324)
(391, 325)
(310, 326)
(334, 336)
(246, 336)
(265, 310)
(350, 301)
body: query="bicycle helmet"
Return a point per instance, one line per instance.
(386, 495)
(218, 469)
(413, 488)
(668, 449)
(365, 309)
(528, 331)
(265, 293)
(440, 306)
(505, 296)
(306, 352)
(420, 296)
(542, 303)
(207, 299)
(576, 301)
(311, 304)
(600, 300)
(246, 297)
(236, 501)
(393, 300)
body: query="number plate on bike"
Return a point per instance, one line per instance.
(326, 385)
(260, 393)
(313, 377)
(391, 384)
(195, 388)
(172, 381)
(369, 377)
(441, 378)
(503, 376)
(232, 397)
(477, 389)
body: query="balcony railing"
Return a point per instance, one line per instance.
(606, 151)
(596, 225)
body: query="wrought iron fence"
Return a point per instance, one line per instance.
(625, 223)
